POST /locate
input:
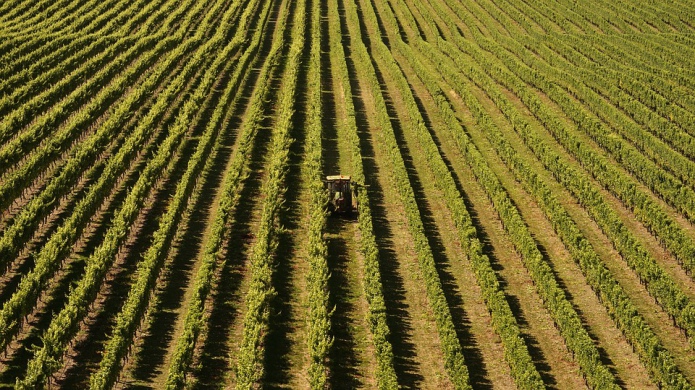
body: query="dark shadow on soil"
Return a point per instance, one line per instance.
(344, 361)
(536, 353)
(86, 352)
(330, 151)
(605, 358)
(16, 362)
(38, 234)
(278, 359)
(401, 30)
(380, 24)
(227, 299)
(472, 354)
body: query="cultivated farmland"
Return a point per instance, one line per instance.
(525, 210)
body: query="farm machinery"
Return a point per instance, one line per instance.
(342, 195)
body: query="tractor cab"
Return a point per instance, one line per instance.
(341, 196)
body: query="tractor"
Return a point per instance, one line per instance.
(342, 197)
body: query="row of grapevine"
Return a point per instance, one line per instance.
(656, 54)
(548, 14)
(668, 49)
(20, 72)
(584, 16)
(451, 347)
(129, 131)
(319, 337)
(95, 12)
(373, 287)
(133, 309)
(16, 47)
(85, 22)
(670, 188)
(566, 318)
(250, 368)
(658, 146)
(568, 321)
(10, 9)
(53, 12)
(532, 22)
(63, 80)
(667, 117)
(67, 90)
(89, 25)
(234, 176)
(637, 60)
(65, 324)
(50, 13)
(617, 303)
(646, 210)
(39, 158)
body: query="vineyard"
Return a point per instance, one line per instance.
(525, 214)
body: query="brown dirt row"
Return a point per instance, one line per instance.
(544, 341)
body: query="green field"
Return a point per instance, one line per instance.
(525, 218)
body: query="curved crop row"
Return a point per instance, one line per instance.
(670, 188)
(659, 284)
(49, 258)
(70, 48)
(34, 13)
(75, 19)
(183, 352)
(629, 321)
(617, 302)
(261, 291)
(664, 143)
(130, 316)
(66, 323)
(102, 68)
(654, 216)
(39, 158)
(39, 206)
(657, 92)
